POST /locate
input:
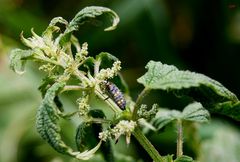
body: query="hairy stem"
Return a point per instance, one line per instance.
(74, 88)
(144, 92)
(146, 144)
(45, 59)
(179, 138)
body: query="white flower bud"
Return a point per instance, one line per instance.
(109, 72)
(124, 127)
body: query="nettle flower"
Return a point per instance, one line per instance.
(109, 72)
(83, 106)
(104, 135)
(124, 127)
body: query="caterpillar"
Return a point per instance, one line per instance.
(114, 93)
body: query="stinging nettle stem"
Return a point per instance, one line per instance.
(146, 144)
(144, 92)
(179, 138)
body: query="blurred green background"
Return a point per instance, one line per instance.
(200, 35)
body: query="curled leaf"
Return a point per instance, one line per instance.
(18, 59)
(92, 12)
(47, 120)
(48, 33)
(87, 14)
(86, 154)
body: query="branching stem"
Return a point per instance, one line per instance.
(144, 92)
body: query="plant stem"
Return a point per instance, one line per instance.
(179, 138)
(146, 144)
(73, 88)
(110, 102)
(144, 92)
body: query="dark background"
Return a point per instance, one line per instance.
(201, 36)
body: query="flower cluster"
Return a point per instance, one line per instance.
(147, 114)
(83, 106)
(124, 127)
(109, 72)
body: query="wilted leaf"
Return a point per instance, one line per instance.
(92, 12)
(48, 33)
(18, 59)
(87, 14)
(47, 120)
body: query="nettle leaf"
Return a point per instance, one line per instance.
(85, 15)
(164, 117)
(193, 112)
(230, 108)
(18, 59)
(184, 158)
(48, 33)
(92, 12)
(47, 120)
(198, 86)
(87, 136)
(48, 128)
(106, 60)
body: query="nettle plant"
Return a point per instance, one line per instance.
(69, 68)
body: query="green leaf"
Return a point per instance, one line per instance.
(107, 151)
(85, 15)
(46, 83)
(18, 59)
(164, 117)
(87, 136)
(230, 108)
(48, 33)
(184, 158)
(195, 112)
(47, 120)
(198, 86)
(106, 61)
(49, 129)
(92, 12)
